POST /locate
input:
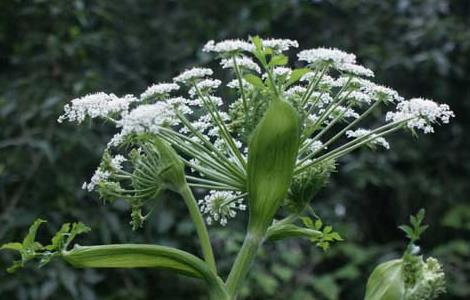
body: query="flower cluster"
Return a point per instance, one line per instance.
(96, 105)
(420, 114)
(219, 206)
(332, 94)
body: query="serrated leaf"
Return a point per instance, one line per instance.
(336, 236)
(28, 241)
(77, 228)
(408, 230)
(58, 239)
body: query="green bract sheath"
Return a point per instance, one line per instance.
(386, 282)
(271, 158)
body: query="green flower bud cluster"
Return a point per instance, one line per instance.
(306, 185)
(153, 167)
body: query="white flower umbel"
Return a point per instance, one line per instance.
(296, 90)
(329, 55)
(243, 62)
(380, 141)
(234, 84)
(282, 71)
(355, 69)
(159, 90)
(280, 45)
(219, 206)
(204, 86)
(421, 114)
(95, 105)
(228, 46)
(117, 161)
(147, 118)
(97, 178)
(194, 74)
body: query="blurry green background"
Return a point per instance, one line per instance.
(53, 51)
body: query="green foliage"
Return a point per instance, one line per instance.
(52, 50)
(413, 232)
(408, 278)
(30, 249)
(327, 235)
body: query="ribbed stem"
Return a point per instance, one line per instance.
(243, 262)
(201, 228)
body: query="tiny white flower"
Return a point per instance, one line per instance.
(331, 55)
(228, 46)
(243, 62)
(355, 69)
(221, 206)
(282, 71)
(216, 101)
(147, 118)
(279, 44)
(205, 86)
(363, 132)
(296, 90)
(192, 74)
(158, 90)
(345, 112)
(360, 97)
(96, 105)
(422, 114)
(235, 84)
(96, 179)
(117, 161)
(313, 147)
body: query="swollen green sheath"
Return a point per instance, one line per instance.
(386, 282)
(271, 158)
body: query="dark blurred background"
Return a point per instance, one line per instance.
(53, 51)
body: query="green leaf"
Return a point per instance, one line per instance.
(327, 229)
(279, 60)
(57, 240)
(318, 224)
(12, 246)
(28, 241)
(254, 80)
(30, 249)
(408, 230)
(77, 228)
(256, 40)
(307, 222)
(296, 75)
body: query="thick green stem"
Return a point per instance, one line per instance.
(201, 228)
(243, 262)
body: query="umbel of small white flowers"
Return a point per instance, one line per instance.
(209, 122)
